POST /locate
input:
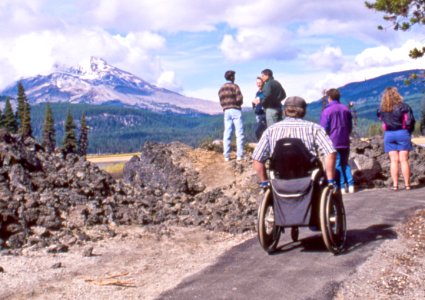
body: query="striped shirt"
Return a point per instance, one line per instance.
(311, 134)
(230, 96)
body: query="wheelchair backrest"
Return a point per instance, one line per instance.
(291, 159)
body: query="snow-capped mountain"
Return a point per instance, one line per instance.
(100, 83)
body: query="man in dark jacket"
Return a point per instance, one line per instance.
(336, 118)
(231, 100)
(273, 96)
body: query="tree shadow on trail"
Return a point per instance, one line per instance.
(356, 239)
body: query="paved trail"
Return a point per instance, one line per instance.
(303, 270)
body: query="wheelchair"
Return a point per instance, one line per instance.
(299, 196)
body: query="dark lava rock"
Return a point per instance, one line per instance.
(371, 165)
(48, 199)
(158, 168)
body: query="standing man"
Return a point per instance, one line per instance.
(273, 96)
(337, 120)
(231, 100)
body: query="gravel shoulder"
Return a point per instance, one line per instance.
(396, 270)
(138, 263)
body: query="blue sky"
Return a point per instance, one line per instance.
(187, 45)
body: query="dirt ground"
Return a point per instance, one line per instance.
(142, 262)
(135, 264)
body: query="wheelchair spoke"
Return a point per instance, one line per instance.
(269, 220)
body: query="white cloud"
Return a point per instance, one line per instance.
(168, 80)
(37, 52)
(255, 43)
(308, 39)
(327, 58)
(383, 56)
(161, 15)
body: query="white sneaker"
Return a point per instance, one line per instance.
(343, 191)
(239, 158)
(227, 159)
(351, 189)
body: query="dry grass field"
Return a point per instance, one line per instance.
(111, 158)
(112, 163)
(419, 140)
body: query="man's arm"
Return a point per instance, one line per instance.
(330, 161)
(239, 97)
(260, 168)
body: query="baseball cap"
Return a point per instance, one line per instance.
(295, 101)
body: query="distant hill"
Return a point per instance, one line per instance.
(125, 129)
(100, 83)
(366, 95)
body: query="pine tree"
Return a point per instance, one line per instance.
(9, 120)
(403, 14)
(49, 134)
(69, 144)
(83, 141)
(26, 130)
(22, 100)
(1, 119)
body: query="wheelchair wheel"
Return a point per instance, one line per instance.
(332, 220)
(268, 232)
(295, 232)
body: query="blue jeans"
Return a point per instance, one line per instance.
(260, 125)
(233, 119)
(343, 168)
(273, 115)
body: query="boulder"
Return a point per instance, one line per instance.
(371, 165)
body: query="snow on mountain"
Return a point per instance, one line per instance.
(100, 83)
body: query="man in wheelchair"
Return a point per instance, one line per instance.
(302, 193)
(312, 135)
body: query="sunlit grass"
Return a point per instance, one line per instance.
(419, 140)
(114, 168)
(112, 155)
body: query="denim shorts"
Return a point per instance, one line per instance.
(397, 140)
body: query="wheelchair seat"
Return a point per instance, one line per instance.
(291, 159)
(295, 175)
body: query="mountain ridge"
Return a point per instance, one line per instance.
(100, 83)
